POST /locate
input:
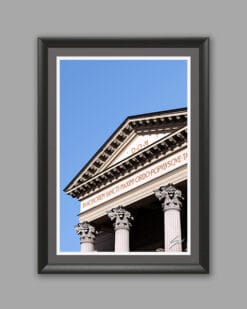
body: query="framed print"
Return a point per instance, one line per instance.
(123, 155)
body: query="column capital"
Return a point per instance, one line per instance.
(121, 216)
(169, 196)
(86, 232)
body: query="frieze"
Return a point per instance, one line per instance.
(153, 171)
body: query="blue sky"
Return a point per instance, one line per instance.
(95, 98)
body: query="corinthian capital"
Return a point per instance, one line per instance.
(169, 196)
(121, 217)
(85, 231)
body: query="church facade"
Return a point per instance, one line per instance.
(133, 192)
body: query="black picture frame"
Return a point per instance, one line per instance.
(48, 262)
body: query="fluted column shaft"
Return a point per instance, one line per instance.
(122, 240)
(172, 231)
(170, 199)
(121, 218)
(87, 246)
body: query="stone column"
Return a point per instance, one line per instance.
(87, 235)
(170, 199)
(121, 218)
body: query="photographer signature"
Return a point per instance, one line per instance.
(175, 241)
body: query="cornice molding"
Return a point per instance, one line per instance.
(146, 156)
(160, 121)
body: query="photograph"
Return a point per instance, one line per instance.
(123, 155)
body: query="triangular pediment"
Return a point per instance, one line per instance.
(132, 136)
(133, 145)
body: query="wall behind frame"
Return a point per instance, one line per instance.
(21, 22)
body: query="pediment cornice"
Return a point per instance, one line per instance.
(97, 171)
(164, 147)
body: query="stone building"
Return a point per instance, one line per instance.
(133, 192)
